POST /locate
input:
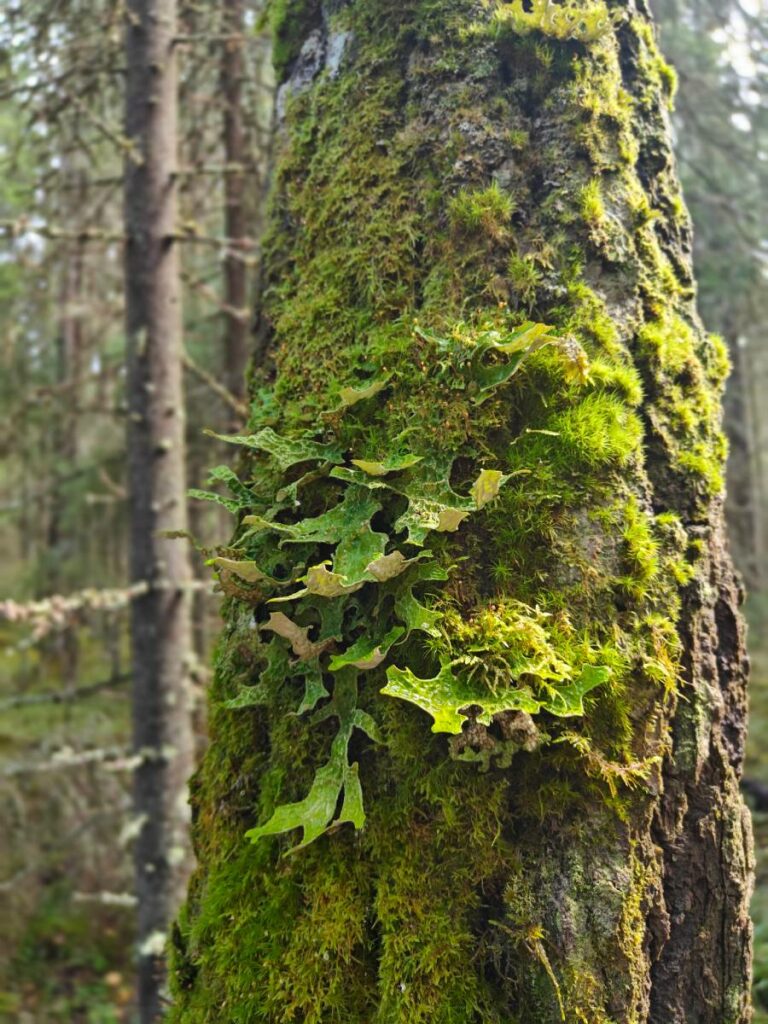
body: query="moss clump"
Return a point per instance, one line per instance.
(524, 279)
(488, 210)
(620, 378)
(599, 432)
(591, 203)
(605, 128)
(686, 413)
(670, 342)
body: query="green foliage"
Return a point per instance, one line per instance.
(286, 452)
(450, 699)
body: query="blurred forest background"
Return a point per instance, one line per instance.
(66, 899)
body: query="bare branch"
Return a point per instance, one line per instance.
(218, 389)
(62, 696)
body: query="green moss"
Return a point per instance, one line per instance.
(687, 413)
(586, 314)
(600, 431)
(591, 203)
(623, 379)
(524, 278)
(288, 20)
(679, 209)
(488, 210)
(641, 546)
(670, 342)
(700, 463)
(660, 76)
(716, 361)
(605, 129)
(518, 138)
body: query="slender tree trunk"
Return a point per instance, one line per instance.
(755, 378)
(237, 338)
(160, 627)
(742, 507)
(69, 353)
(445, 171)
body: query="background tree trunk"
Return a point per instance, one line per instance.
(236, 345)
(69, 370)
(160, 625)
(467, 170)
(743, 508)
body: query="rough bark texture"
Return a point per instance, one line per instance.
(160, 624)
(467, 167)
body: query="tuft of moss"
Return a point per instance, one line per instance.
(488, 210)
(586, 23)
(591, 204)
(600, 431)
(524, 279)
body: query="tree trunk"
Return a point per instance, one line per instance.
(443, 173)
(236, 345)
(743, 507)
(160, 626)
(69, 368)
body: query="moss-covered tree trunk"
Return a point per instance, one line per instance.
(495, 547)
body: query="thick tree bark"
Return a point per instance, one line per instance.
(444, 172)
(160, 622)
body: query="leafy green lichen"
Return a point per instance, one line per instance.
(367, 570)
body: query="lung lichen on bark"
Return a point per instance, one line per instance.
(352, 586)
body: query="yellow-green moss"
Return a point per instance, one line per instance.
(591, 203)
(488, 210)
